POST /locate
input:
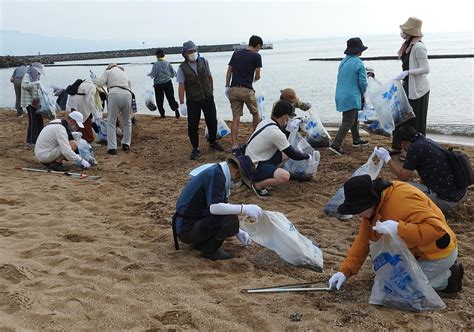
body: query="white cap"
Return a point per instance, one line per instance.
(77, 116)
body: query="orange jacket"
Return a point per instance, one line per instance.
(420, 224)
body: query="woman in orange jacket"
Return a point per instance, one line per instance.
(413, 216)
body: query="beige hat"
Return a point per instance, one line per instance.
(412, 27)
(290, 95)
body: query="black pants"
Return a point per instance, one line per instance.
(160, 91)
(420, 108)
(35, 125)
(208, 107)
(209, 233)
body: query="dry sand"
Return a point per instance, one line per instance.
(84, 254)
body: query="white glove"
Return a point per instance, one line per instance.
(386, 227)
(401, 76)
(310, 159)
(85, 164)
(183, 110)
(293, 125)
(252, 210)
(337, 280)
(227, 91)
(244, 237)
(382, 154)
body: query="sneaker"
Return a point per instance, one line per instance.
(125, 147)
(112, 151)
(360, 142)
(58, 167)
(218, 255)
(262, 193)
(162, 116)
(336, 150)
(176, 114)
(195, 154)
(216, 146)
(455, 281)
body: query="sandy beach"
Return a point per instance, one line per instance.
(81, 254)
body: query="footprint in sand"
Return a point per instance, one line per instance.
(11, 273)
(11, 302)
(176, 317)
(6, 232)
(78, 238)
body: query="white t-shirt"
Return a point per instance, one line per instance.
(267, 142)
(52, 138)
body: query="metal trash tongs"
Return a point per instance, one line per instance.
(305, 287)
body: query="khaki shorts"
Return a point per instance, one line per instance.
(238, 96)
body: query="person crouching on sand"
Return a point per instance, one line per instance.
(408, 212)
(204, 218)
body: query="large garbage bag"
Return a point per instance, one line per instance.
(275, 232)
(370, 168)
(150, 100)
(399, 280)
(301, 167)
(222, 129)
(317, 136)
(48, 105)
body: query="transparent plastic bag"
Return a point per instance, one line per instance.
(260, 97)
(399, 280)
(302, 166)
(317, 136)
(100, 130)
(48, 105)
(150, 100)
(85, 149)
(400, 106)
(275, 232)
(222, 129)
(380, 98)
(370, 168)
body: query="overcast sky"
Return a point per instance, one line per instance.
(169, 23)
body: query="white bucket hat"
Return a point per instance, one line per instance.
(412, 27)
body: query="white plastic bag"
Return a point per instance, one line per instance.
(101, 134)
(222, 129)
(47, 103)
(260, 97)
(399, 280)
(150, 100)
(380, 98)
(302, 166)
(275, 232)
(85, 149)
(400, 106)
(317, 136)
(370, 168)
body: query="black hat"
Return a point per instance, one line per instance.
(246, 168)
(359, 195)
(405, 133)
(282, 107)
(355, 46)
(159, 53)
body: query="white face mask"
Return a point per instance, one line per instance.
(235, 185)
(193, 57)
(403, 35)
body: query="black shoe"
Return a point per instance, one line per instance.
(112, 151)
(216, 146)
(176, 114)
(196, 246)
(336, 150)
(262, 193)
(125, 147)
(195, 154)
(455, 281)
(301, 177)
(218, 255)
(360, 142)
(57, 167)
(162, 116)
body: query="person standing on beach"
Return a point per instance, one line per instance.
(243, 69)
(30, 85)
(16, 78)
(162, 72)
(350, 89)
(195, 79)
(415, 69)
(119, 101)
(204, 218)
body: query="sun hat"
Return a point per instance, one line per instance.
(38, 66)
(76, 116)
(355, 46)
(188, 46)
(246, 168)
(289, 94)
(412, 27)
(282, 107)
(359, 195)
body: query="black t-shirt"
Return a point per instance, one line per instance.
(432, 164)
(244, 62)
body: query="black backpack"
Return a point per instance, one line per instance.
(72, 89)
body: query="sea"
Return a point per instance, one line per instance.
(451, 110)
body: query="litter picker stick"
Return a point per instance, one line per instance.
(290, 289)
(74, 175)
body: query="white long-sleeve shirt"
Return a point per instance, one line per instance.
(114, 77)
(84, 101)
(52, 136)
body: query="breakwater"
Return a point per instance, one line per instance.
(390, 57)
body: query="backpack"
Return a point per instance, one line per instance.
(240, 151)
(72, 89)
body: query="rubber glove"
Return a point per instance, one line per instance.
(337, 280)
(386, 227)
(244, 237)
(227, 91)
(401, 76)
(183, 110)
(85, 164)
(293, 125)
(310, 157)
(382, 154)
(252, 210)
(92, 75)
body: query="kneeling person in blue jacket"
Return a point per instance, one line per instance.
(204, 218)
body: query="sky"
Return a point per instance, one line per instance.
(135, 24)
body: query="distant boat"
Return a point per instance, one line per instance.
(241, 46)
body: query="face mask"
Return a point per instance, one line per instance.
(193, 57)
(403, 35)
(73, 128)
(235, 185)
